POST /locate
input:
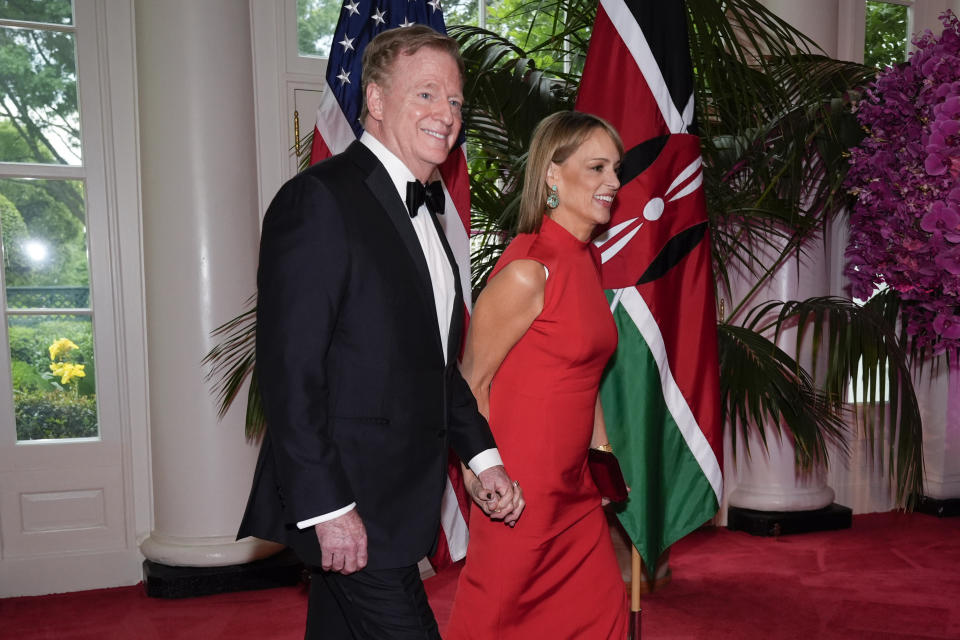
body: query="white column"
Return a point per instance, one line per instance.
(939, 396)
(767, 479)
(818, 19)
(199, 177)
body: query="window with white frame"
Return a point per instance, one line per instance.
(43, 227)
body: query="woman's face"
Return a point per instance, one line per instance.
(586, 184)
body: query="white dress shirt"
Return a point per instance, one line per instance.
(441, 277)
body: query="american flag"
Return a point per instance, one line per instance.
(338, 124)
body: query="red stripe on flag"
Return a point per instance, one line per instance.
(633, 109)
(441, 559)
(455, 177)
(318, 148)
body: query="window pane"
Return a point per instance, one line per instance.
(461, 12)
(316, 21)
(885, 43)
(44, 243)
(54, 388)
(48, 11)
(39, 120)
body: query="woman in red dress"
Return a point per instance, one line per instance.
(540, 337)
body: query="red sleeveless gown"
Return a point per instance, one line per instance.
(554, 575)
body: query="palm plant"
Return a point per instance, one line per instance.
(774, 123)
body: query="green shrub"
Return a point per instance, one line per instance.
(27, 378)
(30, 339)
(54, 414)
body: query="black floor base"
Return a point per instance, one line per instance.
(946, 508)
(779, 523)
(163, 581)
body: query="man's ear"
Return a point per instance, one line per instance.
(374, 97)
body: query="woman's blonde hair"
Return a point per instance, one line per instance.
(555, 139)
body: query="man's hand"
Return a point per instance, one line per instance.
(485, 499)
(343, 542)
(511, 503)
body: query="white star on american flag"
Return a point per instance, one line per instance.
(406, 23)
(352, 8)
(435, 4)
(344, 76)
(378, 17)
(347, 42)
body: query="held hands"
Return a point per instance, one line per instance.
(498, 496)
(343, 542)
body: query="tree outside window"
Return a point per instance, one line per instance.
(885, 40)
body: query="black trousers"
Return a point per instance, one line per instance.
(388, 604)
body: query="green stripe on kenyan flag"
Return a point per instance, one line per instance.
(673, 495)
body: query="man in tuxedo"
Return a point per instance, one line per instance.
(359, 321)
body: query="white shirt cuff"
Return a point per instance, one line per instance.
(303, 524)
(484, 460)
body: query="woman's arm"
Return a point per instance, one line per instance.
(599, 439)
(506, 308)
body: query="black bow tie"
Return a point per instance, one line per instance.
(418, 194)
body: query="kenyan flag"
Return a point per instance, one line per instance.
(660, 394)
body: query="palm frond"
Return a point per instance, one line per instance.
(857, 352)
(763, 385)
(231, 362)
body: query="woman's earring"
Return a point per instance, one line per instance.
(553, 200)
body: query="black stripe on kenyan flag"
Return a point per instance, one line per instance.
(638, 159)
(664, 25)
(673, 252)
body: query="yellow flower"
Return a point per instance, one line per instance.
(67, 371)
(61, 347)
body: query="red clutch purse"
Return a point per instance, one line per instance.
(607, 475)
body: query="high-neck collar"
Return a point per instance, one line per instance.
(553, 229)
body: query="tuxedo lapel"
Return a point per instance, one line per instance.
(456, 320)
(382, 187)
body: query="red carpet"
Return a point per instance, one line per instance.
(892, 576)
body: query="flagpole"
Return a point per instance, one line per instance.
(636, 575)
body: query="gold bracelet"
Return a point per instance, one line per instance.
(604, 447)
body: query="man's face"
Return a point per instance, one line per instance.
(416, 113)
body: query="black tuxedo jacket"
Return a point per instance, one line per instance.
(360, 406)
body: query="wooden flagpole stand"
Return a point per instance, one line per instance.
(636, 576)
